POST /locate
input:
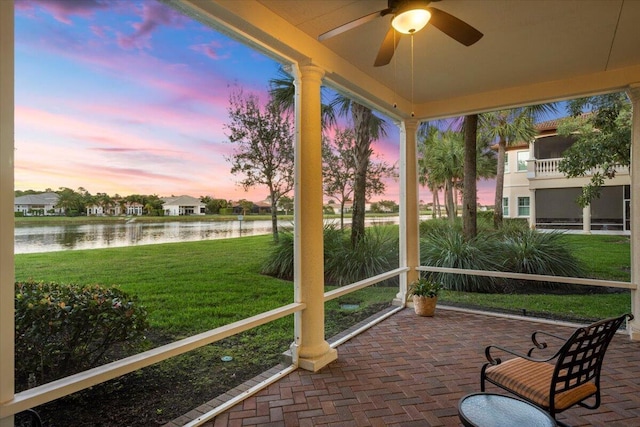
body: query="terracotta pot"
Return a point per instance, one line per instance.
(424, 306)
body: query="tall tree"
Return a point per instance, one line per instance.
(339, 170)
(426, 139)
(286, 204)
(509, 127)
(283, 94)
(264, 147)
(367, 127)
(441, 163)
(72, 202)
(213, 205)
(603, 140)
(444, 164)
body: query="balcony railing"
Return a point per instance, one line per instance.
(549, 168)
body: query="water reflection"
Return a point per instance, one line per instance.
(51, 238)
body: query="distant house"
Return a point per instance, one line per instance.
(263, 207)
(97, 210)
(37, 204)
(133, 208)
(335, 207)
(183, 205)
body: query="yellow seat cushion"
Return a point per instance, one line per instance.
(532, 380)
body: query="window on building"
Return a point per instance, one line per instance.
(505, 206)
(523, 206)
(523, 156)
(506, 162)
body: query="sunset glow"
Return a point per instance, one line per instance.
(130, 97)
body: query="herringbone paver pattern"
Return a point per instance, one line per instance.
(411, 371)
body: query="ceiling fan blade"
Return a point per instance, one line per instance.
(454, 27)
(353, 24)
(388, 47)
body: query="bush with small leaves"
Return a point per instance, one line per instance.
(64, 329)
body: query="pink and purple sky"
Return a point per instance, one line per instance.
(130, 97)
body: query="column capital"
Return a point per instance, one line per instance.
(633, 90)
(311, 71)
(411, 124)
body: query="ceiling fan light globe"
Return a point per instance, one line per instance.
(411, 21)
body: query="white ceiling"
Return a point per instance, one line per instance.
(532, 50)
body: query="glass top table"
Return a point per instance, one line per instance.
(496, 410)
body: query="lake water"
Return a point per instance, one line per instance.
(51, 238)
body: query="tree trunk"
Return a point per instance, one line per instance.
(449, 200)
(274, 217)
(434, 202)
(497, 209)
(469, 203)
(362, 125)
(342, 215)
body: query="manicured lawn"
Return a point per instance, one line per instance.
(195, 286)
(603, 257)
(186, 287)
(189, 287)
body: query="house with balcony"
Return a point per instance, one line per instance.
(535, 189)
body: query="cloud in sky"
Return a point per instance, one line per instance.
(130, 97)
(211, 49)
(154, 15)
(63, 10)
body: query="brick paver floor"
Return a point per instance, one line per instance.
(412, 371)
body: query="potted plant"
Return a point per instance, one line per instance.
(425, 296)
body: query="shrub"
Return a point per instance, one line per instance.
(513, 227)
(376, 253)
(279, 263)
(532, 252)
(438, 225)
(63, 329)
(447, 248)
(485, 216)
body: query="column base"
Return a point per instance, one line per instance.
(634, 331)
(318, 362)
(399, 301)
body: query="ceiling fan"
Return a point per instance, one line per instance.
(409, 17)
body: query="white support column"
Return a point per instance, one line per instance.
(409, 208)
(586, 219)
(532, 209)
(634, 94)
(310, 348)
(6, 207)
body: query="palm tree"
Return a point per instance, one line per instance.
(442, 164)
(367, 127)
(510, 127)
(426, 138)
(283, 94)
